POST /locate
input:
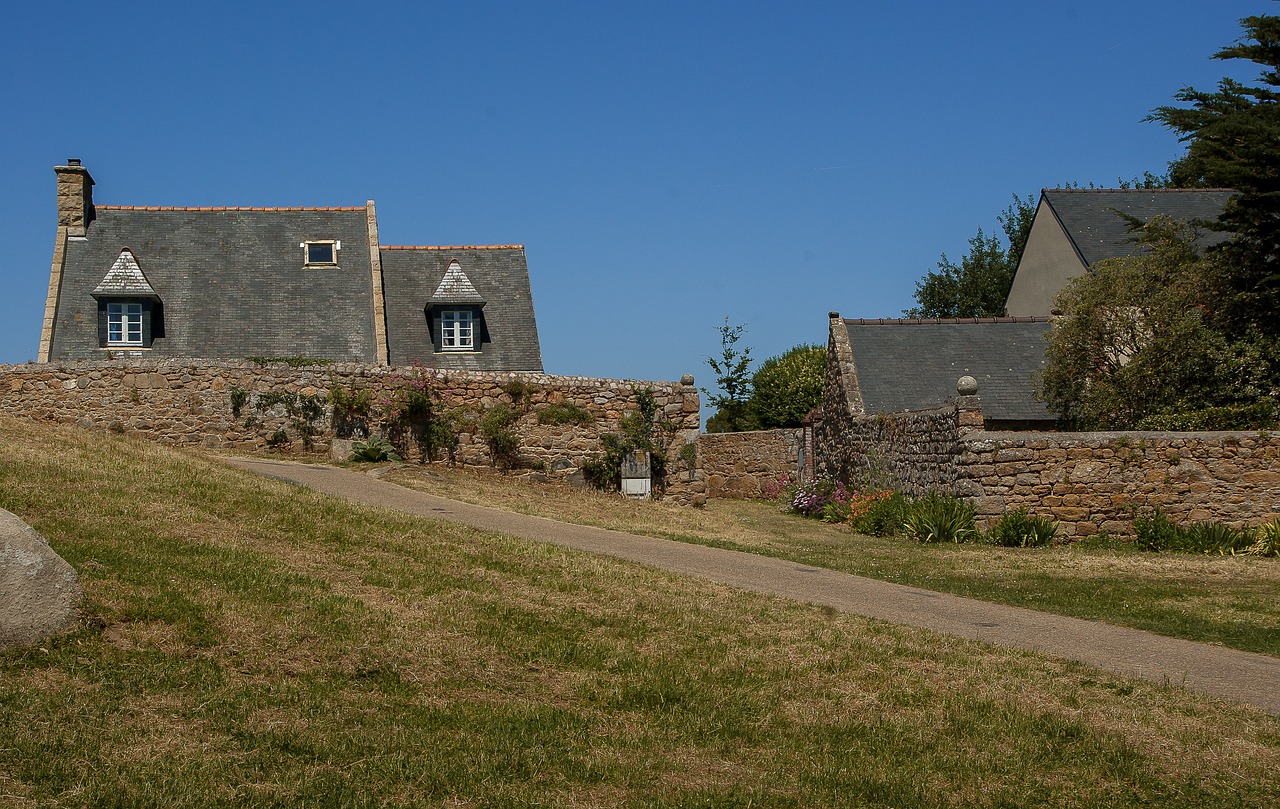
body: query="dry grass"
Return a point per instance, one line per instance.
(1220, 599)
(250, 643)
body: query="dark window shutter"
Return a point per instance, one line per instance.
(102, 324)
(437, 329)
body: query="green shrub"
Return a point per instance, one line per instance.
(1268, 539)
(497, 427)
(1156, 532)
(1215, 537)
(352, 410)
(239, 396)
(564, 414)
(883, 517)
(1230, 417)
(940, 518)
(645, 429)
(376, 448)
(1018, 529)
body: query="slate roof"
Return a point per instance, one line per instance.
(499, 277)
(910, 364)
(1091, 217)
(231, 281)
(456, 287)
(125, 278)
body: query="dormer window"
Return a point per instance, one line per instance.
(320, 253)
(130, 314)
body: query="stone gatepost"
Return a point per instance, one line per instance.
(968, 405)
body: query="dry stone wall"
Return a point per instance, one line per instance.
(220, 405)
(1097, 482)
(1089, 482)
(743, 465)
(912, 452)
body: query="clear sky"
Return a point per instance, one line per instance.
(666, 164)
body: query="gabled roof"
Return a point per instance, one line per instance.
(1095, 218)
(499, 277)
(912, 364)
(456, 287)
(125, 279)
(231, 280)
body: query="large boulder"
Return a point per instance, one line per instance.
(39, 591)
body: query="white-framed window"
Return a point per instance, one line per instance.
(320, 252)
(124, 324)
(457, 330)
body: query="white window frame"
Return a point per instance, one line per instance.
(124, 324)
(334, 245)
(457, 330)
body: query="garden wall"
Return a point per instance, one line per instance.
(1096, 482)
(238, 406)
(744, 465)
(1089, 482)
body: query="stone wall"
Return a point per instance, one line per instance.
(1096, 482)
(1088, 482)
(220, 405)
(743, 465)
(911, 452)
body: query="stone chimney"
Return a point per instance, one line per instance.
(75, 197)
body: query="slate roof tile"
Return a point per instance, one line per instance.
(911, 364)
(1092, 216)
(125, 279)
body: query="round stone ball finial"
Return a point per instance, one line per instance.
(687, 379)
(966, 386)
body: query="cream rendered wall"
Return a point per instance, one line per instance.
(1048, 263)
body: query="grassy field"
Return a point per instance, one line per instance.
(251, 643)
(1231, 600)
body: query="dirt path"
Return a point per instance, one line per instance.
(1253, 679)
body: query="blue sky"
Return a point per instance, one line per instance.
(666, 165)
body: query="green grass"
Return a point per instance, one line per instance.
(249, 643)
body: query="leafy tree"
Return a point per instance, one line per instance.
(1233, 141)
(733, 377)
(785, 388)
(1145, 336)
(979, 285)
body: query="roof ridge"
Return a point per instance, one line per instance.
(229, 208)
(1139, 190)
(943, 321)
(452, 247)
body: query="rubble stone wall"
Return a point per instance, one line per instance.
(1097, 482)
(220, 405)
(744, 465)
(911, 452)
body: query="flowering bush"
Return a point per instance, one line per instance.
(780, 486)
(408, 396)
(823, 499)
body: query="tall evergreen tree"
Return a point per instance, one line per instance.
(1233, 141)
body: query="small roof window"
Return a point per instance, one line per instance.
(321, 252)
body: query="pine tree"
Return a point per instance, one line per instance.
(1233, 141)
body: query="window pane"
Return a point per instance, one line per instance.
(320, 253)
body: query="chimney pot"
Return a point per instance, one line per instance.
(73, 161)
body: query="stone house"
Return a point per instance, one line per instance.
(1075, 228)
(160, 282)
